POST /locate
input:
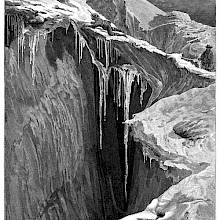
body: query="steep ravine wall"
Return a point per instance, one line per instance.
(55, 167)
(50, 137)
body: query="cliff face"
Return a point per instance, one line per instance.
(68, 91)
(200, 11)
(50, 150)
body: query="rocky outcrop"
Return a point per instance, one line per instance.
(139, 14)
(113, 10)
(177, 33)
(200, 11)
(172, 32)
(179, 132)
(68, 91)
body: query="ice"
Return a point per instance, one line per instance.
(80, 43)
(33, 43)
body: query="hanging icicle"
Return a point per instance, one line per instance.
(15, 30)
(81, 47)
(33, 44)
(80, 42)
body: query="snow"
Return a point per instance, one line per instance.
(76, 10)
(141, 215)
(181, 63)
(193, 112)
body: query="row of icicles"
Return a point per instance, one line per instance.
(123, 77)
(15, 28)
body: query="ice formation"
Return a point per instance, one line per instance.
(15, 29)
(123, 77)
(80, 42)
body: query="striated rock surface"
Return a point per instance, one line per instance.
(179, 132)
(49, 172)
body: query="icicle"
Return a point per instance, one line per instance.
(100, 105)
(144, 157)
(7, 27)
(101, 41)
(126, 129)
(106, 54)
(150, 161)
(79, 51)
(81, 47)
(99, 48)
(44, 35)
(110, 50)
(52, 32)
(33, 56)
(128, 78)
(76, 41)
(33, 42)
(114, 84)
(18, 50)
(67, 27)
(97, 44)
(22, 41)
(37, 42)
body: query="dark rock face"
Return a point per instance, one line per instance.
(50, 146)
(200, 11)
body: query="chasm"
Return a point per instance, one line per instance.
(69, 153)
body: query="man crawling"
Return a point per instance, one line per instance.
(105, 24)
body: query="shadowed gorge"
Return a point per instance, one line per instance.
(70, 92)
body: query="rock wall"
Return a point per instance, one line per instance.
(50, 145)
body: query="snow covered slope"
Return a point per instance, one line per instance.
(179, 132)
